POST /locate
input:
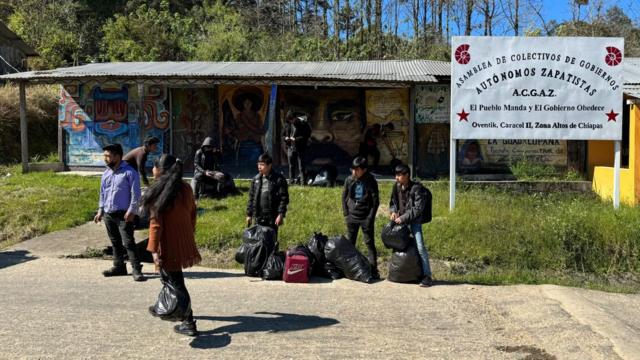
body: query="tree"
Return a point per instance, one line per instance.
(148, 35)
(221, 36)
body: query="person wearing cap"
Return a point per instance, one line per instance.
(360, 201)
(137, 158)
(206, 167)
(296, 134)
(268, 196)
(118, 206)
(408, 205)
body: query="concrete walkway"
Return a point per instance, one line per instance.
(55, 307)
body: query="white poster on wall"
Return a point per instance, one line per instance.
(433, 104)
(536, 88)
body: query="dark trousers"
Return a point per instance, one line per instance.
(176, 278)
(296, 164)
(353, 226)
(121, 235)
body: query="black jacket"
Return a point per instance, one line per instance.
(205, 160)
(278, 195)
(418, 207)
(365, 208)
(300, 131)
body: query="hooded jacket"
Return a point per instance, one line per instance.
(300, 131)
(417, 209)
(205, 160)
(367, 206)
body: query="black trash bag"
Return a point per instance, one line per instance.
(274, 267)
(172, 304)
(396, 236)
(240, 254)
(259, 243)
(332, 271)
(325, 177)
(347, 258)
(226, 185)
(316, 246)
(405, 266)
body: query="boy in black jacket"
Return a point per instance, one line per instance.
(268, 196)
(411, 204)
(360, 201)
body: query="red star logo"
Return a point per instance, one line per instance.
(611, 116)
(463, 115)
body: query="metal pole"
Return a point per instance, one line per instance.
(141, 122)
(412, 130)
(616, 175)
(23, 129)
(452, 172)
(271, 118)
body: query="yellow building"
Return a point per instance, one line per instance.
(600, 154)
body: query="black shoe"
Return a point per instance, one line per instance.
(426, 282)
(115, 271)
(187, 328)
(375, 275)
(137, 274)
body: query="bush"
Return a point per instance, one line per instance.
(42, 115)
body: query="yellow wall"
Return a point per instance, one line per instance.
(601, 153)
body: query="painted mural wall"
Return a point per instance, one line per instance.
(336, 121)
(243, 125)
(96, 114)
(193, 121)
(388, 111)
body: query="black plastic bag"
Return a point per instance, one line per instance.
(325, 177)
(172, 304)
(396, 236)
(240, 254)
(144, 255)
(259, 243)
(405, 266)
(274, 266)
(316, 247)
(332, 271)
(347, 258)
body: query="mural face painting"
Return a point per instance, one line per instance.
(243, 123)
(108, 113)
(335, 119)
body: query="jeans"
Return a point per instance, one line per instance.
(296, 162)
(121, 235)
(353, 226)
(416, 230)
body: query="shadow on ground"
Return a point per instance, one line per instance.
(262, 322)
(10, 258)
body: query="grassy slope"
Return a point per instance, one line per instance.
(493, 237)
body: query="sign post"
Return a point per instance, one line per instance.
(544, 88)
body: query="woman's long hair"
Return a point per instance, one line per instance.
(162, 194)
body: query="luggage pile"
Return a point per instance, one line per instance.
(334, 258)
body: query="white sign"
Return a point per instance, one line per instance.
(536, 88)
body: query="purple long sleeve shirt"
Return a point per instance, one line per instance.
(120, 189)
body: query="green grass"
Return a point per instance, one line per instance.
(493, 237)
(37, 203)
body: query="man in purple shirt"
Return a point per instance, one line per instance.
(119, 195)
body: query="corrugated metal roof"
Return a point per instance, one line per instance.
(410, 71)
(9, 38)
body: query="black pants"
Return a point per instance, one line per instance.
(176, 278)
(296, 163)
(204, 185)
(353, 225)
(121, 235)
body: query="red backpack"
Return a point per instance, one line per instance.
(296, 266)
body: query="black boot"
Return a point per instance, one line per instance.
(188, 327)
(137, 273)
(116, 270)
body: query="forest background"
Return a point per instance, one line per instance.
(75, 32)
